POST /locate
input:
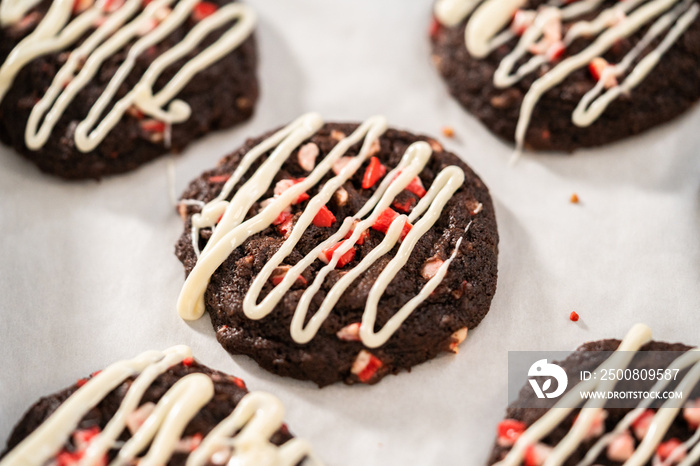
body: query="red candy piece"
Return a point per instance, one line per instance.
(284, 185)
(187, 362)
(81, 5)
(285, 227)
(640, 426)
(596, 67)
(404, 206)
(372, 366)
(203, 9)
(112, 5)
(153, 126)
(555, 51)
(277, 279)
(374, 172)
(668, 447)
(573, 316)
(416, 187)
(509, 430)
(84, 436)
(66, 458)
(239, 383)
(282, 218)
(324, 218)
(219, 178)
(434, 28)
(386, 218)
(344, 260)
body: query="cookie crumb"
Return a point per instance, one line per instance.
(573, 316)
(574, 199)
(448, 131)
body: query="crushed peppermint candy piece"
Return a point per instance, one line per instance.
(365, 366)
(283, 185)
(457, 338)
(111, 6)
(363, 236)
(551, 44)
(374, 172)
(307, 156)
(203, 10)
(284, 223)
(219, 178)
(555, 51)
(81, 5)
(238, 382)
(435, 146)
(189, 444)
(386, 218)
(672, 451)
(340, 196)
(83, 437)
(349, 332)
(337, 135)
(280, 272)
(621, 448)
(535, 455)
(431, 267)
(327, 255)
(416, 187)
(640, 426)
(691, 413)
(522, 20)
(601, 69)
(509, 430)
(324, 218)
(153, 126)
(597, 427)
(136, 418)
(404, 206)
(339, 164)
(434, 28)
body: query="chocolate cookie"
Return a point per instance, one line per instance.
(612, 434)
(93, 88)
(568, 74)
(339, 252)
(161, 407)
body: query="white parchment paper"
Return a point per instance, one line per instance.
(88, 275)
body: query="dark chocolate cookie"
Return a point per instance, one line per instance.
(616, 432)
(562, 56)
(84, 104)
(165, 399)
(262, 289)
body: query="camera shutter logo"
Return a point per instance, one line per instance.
(543, 369)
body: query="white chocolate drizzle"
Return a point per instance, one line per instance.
(245, 434)
(12, 11)
(637, 337)
(485, 32)
(231, 230)
(107, 33)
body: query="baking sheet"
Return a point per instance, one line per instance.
(88, 275)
